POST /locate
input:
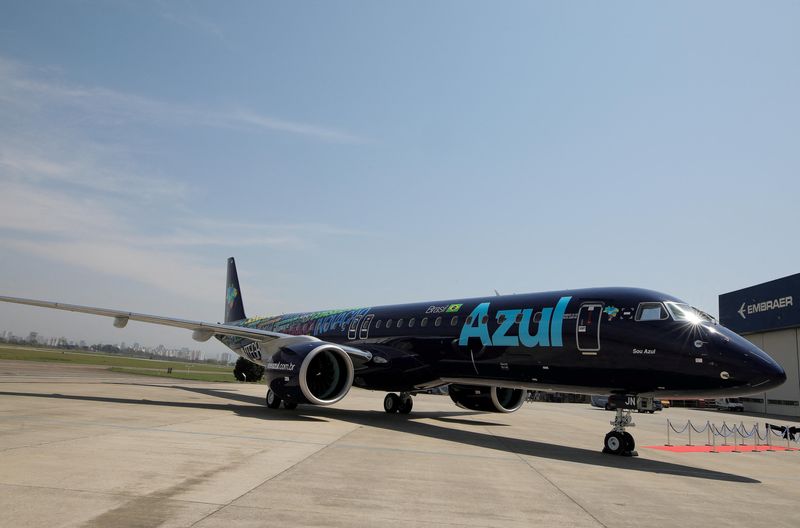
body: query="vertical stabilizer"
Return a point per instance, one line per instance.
(234, 309)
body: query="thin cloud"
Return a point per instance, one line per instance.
(183, 14)
(19, 87)
(82, 171)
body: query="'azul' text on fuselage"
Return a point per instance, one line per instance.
(548, 331)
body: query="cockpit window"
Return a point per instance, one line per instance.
(684, 312)
(651, 311)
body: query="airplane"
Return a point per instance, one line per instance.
(634, 345)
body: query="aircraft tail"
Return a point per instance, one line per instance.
(234, 309)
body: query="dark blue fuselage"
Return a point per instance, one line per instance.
(592, 341)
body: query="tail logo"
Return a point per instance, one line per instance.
(231, 295)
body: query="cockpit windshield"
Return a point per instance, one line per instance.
(684, 312)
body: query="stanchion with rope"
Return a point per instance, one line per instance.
(668, 427)
(714, 444)
(768, 432)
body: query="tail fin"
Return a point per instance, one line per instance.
(234, 309)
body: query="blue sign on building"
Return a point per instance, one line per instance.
(769, 306)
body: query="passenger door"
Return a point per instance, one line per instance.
(588, 327)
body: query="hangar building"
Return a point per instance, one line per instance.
(769, 316)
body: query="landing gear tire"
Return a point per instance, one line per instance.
(289, 405)
(614, 443)
(406, 404)
(273, 402)
(630, 443)
(391, 403)
(618, 441)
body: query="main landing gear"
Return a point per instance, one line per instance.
(618, 441)
(273, 402)
(402, 404)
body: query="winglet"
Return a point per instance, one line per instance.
(234, 309)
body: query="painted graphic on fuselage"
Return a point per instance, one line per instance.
(548, 333)
(307, 323)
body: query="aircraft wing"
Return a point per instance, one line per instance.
(201, 331)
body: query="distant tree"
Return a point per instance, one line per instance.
(247, 371)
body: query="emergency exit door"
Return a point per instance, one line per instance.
(588, 328)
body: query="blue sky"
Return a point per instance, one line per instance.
(360, 153)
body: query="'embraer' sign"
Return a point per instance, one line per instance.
(768, 306)
(763, 306)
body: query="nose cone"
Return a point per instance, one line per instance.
(756, 369)
(772, 373)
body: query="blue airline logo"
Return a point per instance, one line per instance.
(548, 332)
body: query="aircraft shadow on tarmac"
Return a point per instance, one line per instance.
(409, 424)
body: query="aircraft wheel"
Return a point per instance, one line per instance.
(406, 405)
(273, 402)
(391, 403)
(614, 443)
(630, 443)
(290, 405)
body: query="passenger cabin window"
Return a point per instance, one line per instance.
(537, 317)
(412, 322)
(424, 322)
(518, 319)
(484, 319)
(438, 322)
(651, 311)
(501, 318)
(389, 323)
(399, 323)
(454, 321)
(469, 320)
(378, 323)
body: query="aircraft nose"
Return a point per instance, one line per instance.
(766, 373)
(774, 374)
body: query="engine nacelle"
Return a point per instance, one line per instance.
(313, 372)
(487, 399)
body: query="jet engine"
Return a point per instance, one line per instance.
(487, 399)
(312, 372)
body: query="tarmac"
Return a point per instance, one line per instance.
(81, 446)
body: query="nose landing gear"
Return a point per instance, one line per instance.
(618, 441)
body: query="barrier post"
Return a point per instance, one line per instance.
(724, 438)
(735, 440)
(714, 444)
(668, 444)
(769, 437)
(756, 439)
(690, 433)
